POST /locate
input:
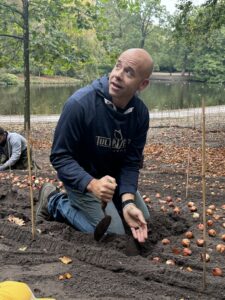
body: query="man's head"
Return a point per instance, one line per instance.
(2, 136)
(130, 75)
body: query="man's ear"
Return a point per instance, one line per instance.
(143, 84)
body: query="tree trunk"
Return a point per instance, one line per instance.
(142, 42)
(26, 64)
(185, 60)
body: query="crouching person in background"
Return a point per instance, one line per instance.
(13, 151)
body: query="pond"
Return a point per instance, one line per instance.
(160, 95)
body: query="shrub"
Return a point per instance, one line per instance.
(8, 79)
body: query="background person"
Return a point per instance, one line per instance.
(97, 151)
(13, 150)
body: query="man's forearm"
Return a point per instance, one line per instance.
(127, 196)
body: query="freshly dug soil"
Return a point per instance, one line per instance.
(171, 179)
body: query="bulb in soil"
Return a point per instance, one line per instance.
(170, 262)
(209, 212)
(187, 252)
(212, 232)
(193, 208)
(190, 203)
(201, 226)
(163, 208)
(210, 222)
(147, 200)
(223, 225)
(156, 259)
(144, 196)
(207, 257)
(223, 237)
(186, 242)
(213, 207)
(165, 241)
(176, 250)
(162, 201)
(220, 248)
(176, 210)
(157, 195)
(216, 217)
(195, 216)
(169, 199)
(189, 234)
(223, 206)
(217, 272)
(200, 242)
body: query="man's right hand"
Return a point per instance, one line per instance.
(103, 188)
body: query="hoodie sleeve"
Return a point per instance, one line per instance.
(128, 178)
(67, 145)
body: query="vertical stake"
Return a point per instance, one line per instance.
(30, 179)
(204, 192)
(188, 167)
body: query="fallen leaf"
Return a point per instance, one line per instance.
(24, 248)
(16, 220)
(66, 260)
(65, 276)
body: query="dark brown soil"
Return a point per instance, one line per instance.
(103, 270)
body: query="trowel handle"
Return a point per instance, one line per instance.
(104, 204)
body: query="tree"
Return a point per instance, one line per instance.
(144, 17)
(50, 37)
(199, 31)
(22, 21)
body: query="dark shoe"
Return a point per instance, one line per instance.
(42, 209)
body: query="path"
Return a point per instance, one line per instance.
(165, 114)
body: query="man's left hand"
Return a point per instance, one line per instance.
(135, 219)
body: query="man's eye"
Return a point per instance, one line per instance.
(129, 73)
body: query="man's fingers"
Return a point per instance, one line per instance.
(140, 233)
(111, 179)
(133, 230)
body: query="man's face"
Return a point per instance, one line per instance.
(126, 78)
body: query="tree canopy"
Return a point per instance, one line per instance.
(82, 38)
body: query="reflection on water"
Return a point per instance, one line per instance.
(177, 95)
(158, 96)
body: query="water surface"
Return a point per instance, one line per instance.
(160, 95)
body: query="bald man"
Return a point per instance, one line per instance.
(97, 152)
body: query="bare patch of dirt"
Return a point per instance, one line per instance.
(103, 270)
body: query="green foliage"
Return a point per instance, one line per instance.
(83, 38)
(8, 79)
(209, 64)
(199, 32)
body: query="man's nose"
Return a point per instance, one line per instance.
(119, 73)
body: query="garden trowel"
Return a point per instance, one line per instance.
(103, 225)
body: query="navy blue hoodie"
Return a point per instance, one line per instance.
(92, 139)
